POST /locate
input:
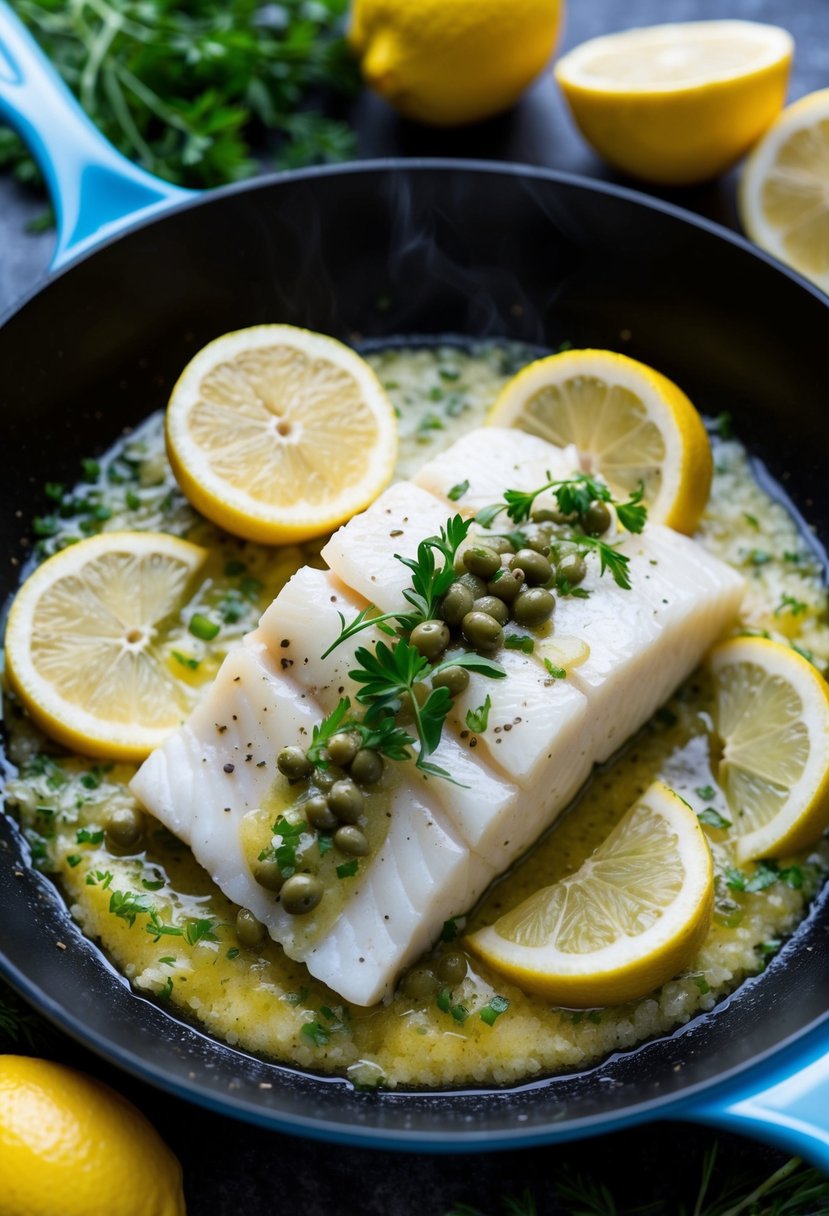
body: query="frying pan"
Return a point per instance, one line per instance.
(145, 273)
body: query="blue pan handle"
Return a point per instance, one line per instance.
(783, 1100)
(95, 190)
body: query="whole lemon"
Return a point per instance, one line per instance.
(70, 1145)
(448, 62)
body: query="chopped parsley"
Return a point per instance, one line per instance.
(348, 868)
(457, 492)
(520, 641)
(202, 627)
(558, 673)
(445, 1003)
(493, 1010)
(84, 836)
(477, 719)
(712, 818)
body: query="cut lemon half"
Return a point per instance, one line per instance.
(630, 918)
(629, 423)
(772, 719)
(81, 642)
(784, 190)
(278, 434)
(677, 104)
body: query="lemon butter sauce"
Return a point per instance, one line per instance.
(168, 928)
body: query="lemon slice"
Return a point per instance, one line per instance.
(784, 190)
(629, 919)
(278, 434)
(677, 104)
(772, 719)
(629, 423)
(81, 642)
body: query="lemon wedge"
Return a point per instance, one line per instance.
(772, 719)
(278, 434)
(630, 918)
(81, 647)
(677, 104)
(629, 423)
(784, 190)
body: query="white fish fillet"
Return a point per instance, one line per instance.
(252, 709)
(305, 616)
(623, 653)
(493, 459)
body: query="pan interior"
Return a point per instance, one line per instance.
(365, 255)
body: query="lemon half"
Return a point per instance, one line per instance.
(677, 104)
(71, 1145)
(630, 918)
(784, 190)
(278, 434)
(81, 642)
(629, 422)
(772, 718)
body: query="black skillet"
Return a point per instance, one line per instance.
(145, 274)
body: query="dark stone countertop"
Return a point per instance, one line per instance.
(233, 1168)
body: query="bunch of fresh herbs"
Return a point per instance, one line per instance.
(188, 90)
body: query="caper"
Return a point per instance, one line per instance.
(475, 584)
(501, 544)
(596, 519)
(573, 568)
(482, 631)
(538, 538)
(493, 606)
(455, 679)
(342, 748)
(537, 570)
(420, 984)
(268, 874)
(545, 515)
(124, 829)
(481, 560)
(293, 763)
(533, 606)
(319, 814)
(367, 766)
(430, 638)
(249, 930)
(301, 894)
(324, 778)
(506, 586)
(452, 967)
(345, 799)
(456, 603)
(352, 841)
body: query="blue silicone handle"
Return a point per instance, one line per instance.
(95, 190)
(783, 1100)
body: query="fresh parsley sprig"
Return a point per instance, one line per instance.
(574, 496)
(430, 582)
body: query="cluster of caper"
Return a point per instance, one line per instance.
(422, 982)
(333, 805)
(497, 582)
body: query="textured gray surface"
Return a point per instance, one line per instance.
(230, 1168)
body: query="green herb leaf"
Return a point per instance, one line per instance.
(128, 905)
(558, 673)
(186, 660)
(520, 641)
(84, 836)
(348, 868)
(202, 627)
(457, 492)
(200, 930)
(712, 818)
(492, 1011)
(706, 792)
(317, 1033)
(477, 719)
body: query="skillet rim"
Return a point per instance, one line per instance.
(464, 1140)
